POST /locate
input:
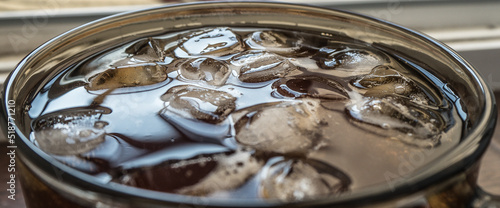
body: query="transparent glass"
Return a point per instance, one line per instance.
(449, 180)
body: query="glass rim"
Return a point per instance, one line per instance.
(465, 154)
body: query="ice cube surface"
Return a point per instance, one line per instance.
(280, 42)
(416, 126)
(199, 113)
(295, 131)
(147, 50)
(231, 172)
(293, 180)
(203, 104)
(70, 133)
(356, 59)
(309, 86)
(215, 42)
(128, 76)
(209, 70)
(261, 66)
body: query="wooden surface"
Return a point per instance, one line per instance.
(489, 176)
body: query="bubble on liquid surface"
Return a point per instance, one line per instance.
(71, 132)
(416, 126)
(309, 86)
(215, 42)
(292, 180)
(128, 76)
(296, 128)
(211, 71)
(357, 59)
(261, 66)
(280, 42)
(231, 171)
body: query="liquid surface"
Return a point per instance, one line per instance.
(246, 113)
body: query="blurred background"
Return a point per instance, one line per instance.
(470, 27)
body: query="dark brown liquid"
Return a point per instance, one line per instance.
(248, 113)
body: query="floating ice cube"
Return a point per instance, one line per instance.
(261, 66)
(350, 58)
(309, 86)
(206, 69)
(199, 113)
(386, 81)
(295, 128)
(200, 175)
(128, 76)
(292, 180)
(169, 176)
(70, 133)
(97, 160)
(146, 50)
(231, 172)
(203, 104)
(416, 126)
(211, 42)
(280, 42)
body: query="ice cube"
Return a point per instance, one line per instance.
(293, 180)
(295, 128)
(70, 133)
(198, 175)
(280, 42)
(309, 86)
(199, 113)
(99, 159)
(261, 66)
(216, 42)
(211, 71)
(203, 104)
(128, 76)
(169, 176)
(416, 126)
(231, 172)
(385, 80)
(146, 50)
(352, 58)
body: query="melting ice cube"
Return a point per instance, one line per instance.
(70, 133)
(417, 126)
(231, 172)
(292, 180)
(128, 76)
(295, 128)
(261, 66)
(358, 60)
(199, 113)
(146, 50)
(280, 42)
(309, 86)
(211, 42)
(212, 71)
